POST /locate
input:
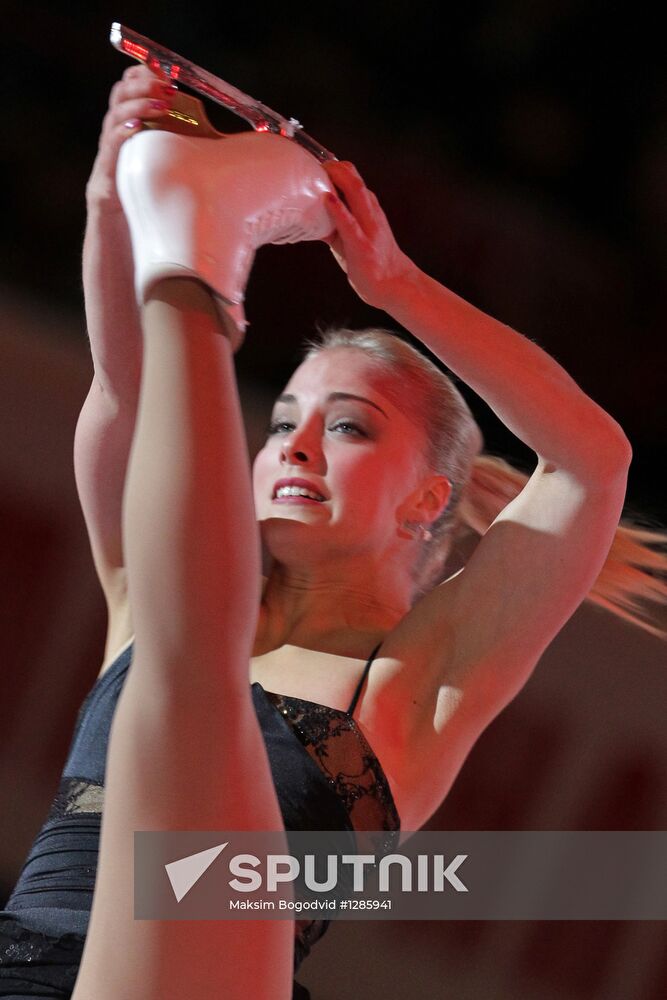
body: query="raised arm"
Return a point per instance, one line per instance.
(107, 419)
(539, 559)
(524, 386)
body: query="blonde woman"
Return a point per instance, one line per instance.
(353, 655)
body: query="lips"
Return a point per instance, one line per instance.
(299, 489)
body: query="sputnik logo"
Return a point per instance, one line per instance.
(185, 872)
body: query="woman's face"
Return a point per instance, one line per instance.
(338, 439)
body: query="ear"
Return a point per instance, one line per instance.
(430, 499)
(436, 497)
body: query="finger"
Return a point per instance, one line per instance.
(143, 72)
(148, 108)
(139, 82)
(362, 203)
(130, 127)
(113, 136)
(147, 69)
(335, 244)
(340, 257)
(343, 219)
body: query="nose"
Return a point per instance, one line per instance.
(293, 455)
(301, 447)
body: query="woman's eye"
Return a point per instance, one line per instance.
(280, 427)
(348, 427)
(340, 426)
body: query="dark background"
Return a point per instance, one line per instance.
(517, 148)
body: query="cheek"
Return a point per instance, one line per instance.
(260, 469)
(385, 484)
(364, 485)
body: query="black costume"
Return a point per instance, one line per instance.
(326, 777)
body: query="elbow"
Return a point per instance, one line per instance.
(612, 455)
(597, 453)
(619, 448)
(625, 454)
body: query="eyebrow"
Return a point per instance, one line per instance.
(287, 397)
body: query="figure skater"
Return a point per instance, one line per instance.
(387, 672)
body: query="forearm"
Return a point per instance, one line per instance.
(108, 270)
(112, 316)
(106, 423)
(529, 391)
(102, 443)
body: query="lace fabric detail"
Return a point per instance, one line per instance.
(20, 944)
(77, 796)
(335, 742)
(48, 963)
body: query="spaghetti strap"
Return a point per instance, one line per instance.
(370, 659)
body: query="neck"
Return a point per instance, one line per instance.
(337, 608)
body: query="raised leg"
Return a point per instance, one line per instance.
(186, 751)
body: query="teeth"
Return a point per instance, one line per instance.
(297, 491)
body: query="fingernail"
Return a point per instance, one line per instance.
(169, 88)
(132, 123)
(159, 105)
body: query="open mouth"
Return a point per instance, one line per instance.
(288, 492)
(296, 489)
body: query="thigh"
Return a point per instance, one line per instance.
(181, 767)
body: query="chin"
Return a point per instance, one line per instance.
(290, 539)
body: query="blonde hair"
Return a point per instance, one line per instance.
(632, 578)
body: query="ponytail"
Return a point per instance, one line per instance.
(633, 576)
